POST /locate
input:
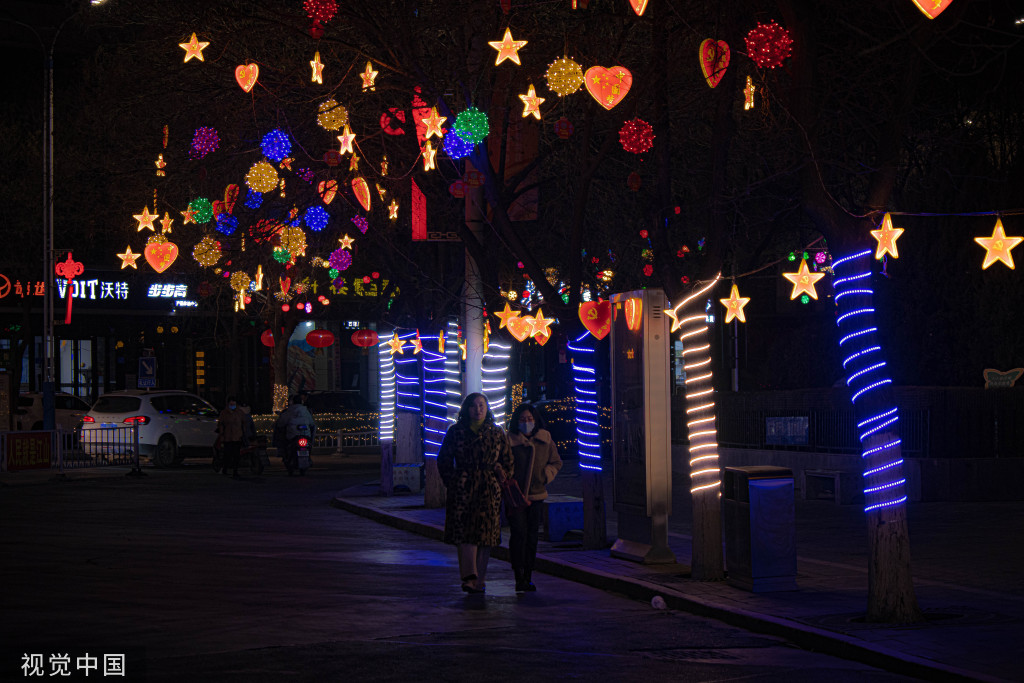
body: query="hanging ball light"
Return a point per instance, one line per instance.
(226, 223)
(281, 255)
(332, 116)
(320, 11)
(471, 125)
(361, 223)
(276, 145)
(201, 209)
(636, 136)
(207, 251)
(294, 240)
(253, 199)
(340, 259)
(455, 147)
(564, 76)
(768, 45)
(204, 141)
(262, 177)
(316, 218)
(240, 281)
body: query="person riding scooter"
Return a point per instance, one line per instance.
(294, 424)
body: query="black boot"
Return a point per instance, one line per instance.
(527, 583)
(520, 583)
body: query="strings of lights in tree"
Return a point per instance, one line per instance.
(584, 375)
(471, 126)
(435, 408)
(386, 364)
(316, 217)
(201, 209)
(884, 483)
(705, 473)
(769, 45)
(331, 115)
(636, 136)
(455, 147)
(204, 141)
(452, 370)
(564, 76)
(407, 379)
(276, 145)
(494, 378)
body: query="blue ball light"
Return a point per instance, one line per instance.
(226, 223)
(276, 145)
(254, 199)
(316, 218)
(455, 147)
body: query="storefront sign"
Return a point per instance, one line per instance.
(17, 288)
(28, 451)
(93, 289)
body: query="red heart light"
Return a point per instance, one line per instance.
(932, 8)
(160, 255)
(714, 57)
(246, 75)
(608, 86)
(596, 316)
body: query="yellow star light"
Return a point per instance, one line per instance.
(318, 69)
(145, 219)
(396, 345)
(507, 48)
(417, 345)
(189, 216)
(193, 48)
(886, 236)
(803, 281)
(674, 317)
(434, 122)
(539, 325)
(428, 156)
(128, 258)
(353, 163)
(506, 315)
(393, 210)
(346, 139)
(346, 242)
(531, 103)
(165, 224)
(735, 304)
(462, 346)
(998, 246)
(381, 191)
(368, 76)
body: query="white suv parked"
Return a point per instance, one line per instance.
(172, 425)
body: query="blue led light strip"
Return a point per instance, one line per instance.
(588, 427)
(884, 483)
(452, 372)
(435, 409)
(705, 471)
(494, 378)
(387, 392)
(408, 377)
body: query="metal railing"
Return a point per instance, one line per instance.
(106, 446)
(340, 441)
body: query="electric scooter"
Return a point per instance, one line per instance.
(298, 456)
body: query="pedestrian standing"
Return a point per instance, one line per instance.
(472, 450)
(536, 463)
(230, 433)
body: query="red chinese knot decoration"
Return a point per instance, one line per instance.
(320, 339)
(768, 45)
(68, 270)
(636, 136)
(458, 189)
(365, 338)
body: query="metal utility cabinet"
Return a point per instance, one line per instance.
(760, 529)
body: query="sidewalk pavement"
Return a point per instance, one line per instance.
(966, 559)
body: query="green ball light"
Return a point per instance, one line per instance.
(471, 126)
(804, 299)
(792, 256)
(203, 210)
(281, 255)
(334, 273)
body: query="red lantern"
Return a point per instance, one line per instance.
(267, 338)
(365, 338)
(320, 339)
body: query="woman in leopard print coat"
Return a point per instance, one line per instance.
(473, 447)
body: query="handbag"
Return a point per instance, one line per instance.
(511, 494)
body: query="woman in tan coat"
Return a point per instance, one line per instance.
(536, 462)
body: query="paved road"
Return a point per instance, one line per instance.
(198, 577)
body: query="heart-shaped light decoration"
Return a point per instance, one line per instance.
(932, 8)
(246, 75)
(596, 316)
(638, 6)
(286, 284)
(160, 255)
(608, 86)
(714, 57)
(634, 313)
(327, 189)
(519, 327)
(228, 205)
(362, 190)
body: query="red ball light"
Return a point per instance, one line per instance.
(643, 234)
(375, 275)
(320, 11)
(768, 45)
(366, 279)
(636, 136)
(685, 280)
(285, 307)
(267, 338)
(648, 270)
(595, 260)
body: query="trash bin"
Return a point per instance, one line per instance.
(760, 528)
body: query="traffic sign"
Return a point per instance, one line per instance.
(147, 373)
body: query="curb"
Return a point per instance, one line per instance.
(805, 636)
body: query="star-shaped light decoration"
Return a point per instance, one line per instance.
(396, 345)
(507, 48)
(393, 210)
(433, 123)
(748, 95)
(462, 347)
(145, 219)
(368, 77)
(382, 191)
(353, 163)
(531, 103)
(193, 48)
(417, 344)
(165, 224)
(886, 236)
(128, 258)
(803, 281)
(318, 69)
(505, 315)
(674, 317)
(539, 325)
(188, 216)
(346, 139)
(998, 246)
(384, 166)
(428, 156)
(346, 242)
(734, 305)
(160, 165)
(286, 163)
